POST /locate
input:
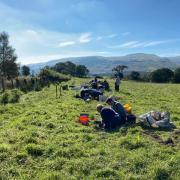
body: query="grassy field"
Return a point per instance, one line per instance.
(40, 137)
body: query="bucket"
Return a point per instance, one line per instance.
(127, 108)
(84, 119)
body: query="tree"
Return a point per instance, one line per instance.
(8, 65)
(118, 70)
(162, 75)
(146, 77)
(71, 68)
(65, 68)
(12, 69)
(134, 75)
(177, 75)
(25, 70)
(81, 71)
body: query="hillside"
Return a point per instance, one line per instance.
(176, 59)
(100, 64)
(41, 138)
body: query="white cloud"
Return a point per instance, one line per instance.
(85, 38)
(106, 37)
(99, 38)
(124, 45)
(37, 42)
(138, 44)
(112, 35)
(128, 44)
(31, 32)
(142, 44)
(154, 43)
(125, 33)
(67, 43)
(103, 52)
(39, 45)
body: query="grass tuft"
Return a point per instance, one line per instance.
(34, 150)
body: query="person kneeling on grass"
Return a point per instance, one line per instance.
(117, 107)
(110, 119)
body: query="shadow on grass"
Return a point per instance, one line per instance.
(122, 129)
(152, 133)
(148, 131)
(167, 129)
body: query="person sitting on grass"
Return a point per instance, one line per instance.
(157, 119)
(118, 108)
(94, 83)
(110, 119)
(106, 85)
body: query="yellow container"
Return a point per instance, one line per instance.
(127, 108)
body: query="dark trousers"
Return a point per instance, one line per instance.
(114, 123)
(116, 87)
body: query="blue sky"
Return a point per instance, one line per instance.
(42, 30)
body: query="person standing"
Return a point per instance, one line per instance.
(117, 83)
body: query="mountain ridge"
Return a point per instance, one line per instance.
(101, 64)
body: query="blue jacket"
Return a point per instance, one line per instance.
(117, 107)
(110, 118)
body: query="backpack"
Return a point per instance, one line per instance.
(131, 119)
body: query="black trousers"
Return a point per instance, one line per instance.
(116, 87)
(114, 123)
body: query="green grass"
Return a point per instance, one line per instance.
(40, 137)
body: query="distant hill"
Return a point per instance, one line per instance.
(175, 59)
(102, 65)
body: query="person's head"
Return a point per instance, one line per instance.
(99, 107)
(110, 101)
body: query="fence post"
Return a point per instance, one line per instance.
(60, 90)
(56, 90)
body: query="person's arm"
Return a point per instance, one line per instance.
(118, 108)
(103, 116)
(105, 120)
(144, 116)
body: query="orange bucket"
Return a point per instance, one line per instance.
(84, 119)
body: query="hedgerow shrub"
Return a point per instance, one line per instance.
(4, 98)
(53, 76)
(12, 96)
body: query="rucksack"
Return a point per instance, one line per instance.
(131, 119)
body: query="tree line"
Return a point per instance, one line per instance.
(163, 75)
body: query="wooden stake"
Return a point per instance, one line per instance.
(60, 90)
(56, 90)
